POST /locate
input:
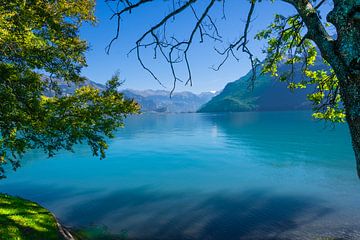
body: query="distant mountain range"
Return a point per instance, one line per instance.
(160, 101)
(268, 94)
(69, 88)
(151, 100)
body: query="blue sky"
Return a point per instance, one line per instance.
(102, 66)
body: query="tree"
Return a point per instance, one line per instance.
(293, 39)
(39, 44)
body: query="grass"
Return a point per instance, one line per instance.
(22, 220)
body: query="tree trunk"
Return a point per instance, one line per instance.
(354, 125)
(345, 60)
(351, 97)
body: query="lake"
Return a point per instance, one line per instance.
(269, 175)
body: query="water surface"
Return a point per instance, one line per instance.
(271, 175)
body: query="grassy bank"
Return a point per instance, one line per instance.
(22, 219)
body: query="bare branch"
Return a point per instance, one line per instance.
(129, 7)
(175, 51)
(241, 43)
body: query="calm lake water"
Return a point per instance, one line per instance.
(275, 175)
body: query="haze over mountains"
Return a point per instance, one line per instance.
(268, 94)
(160, 101)
(151, 100)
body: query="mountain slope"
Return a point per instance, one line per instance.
(160, 101)
(268, 95)
(150, 100)
(69, 88)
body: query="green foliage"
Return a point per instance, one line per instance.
(39, 38)
(25, 220)
(41, 34)
(287, 45)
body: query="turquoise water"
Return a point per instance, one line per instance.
(275, 175)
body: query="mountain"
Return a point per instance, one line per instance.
(69, 88)
(268, 94)
(150, 100)
(160, 101)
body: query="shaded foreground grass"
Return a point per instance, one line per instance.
(23, 219)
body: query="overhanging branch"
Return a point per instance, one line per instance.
(175, 50)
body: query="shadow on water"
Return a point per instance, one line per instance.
(149, 214)
(157, 212)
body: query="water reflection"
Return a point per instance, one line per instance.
(205, 176)
(286, 138)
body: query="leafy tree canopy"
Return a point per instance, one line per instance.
(287, 45)
(39, 44)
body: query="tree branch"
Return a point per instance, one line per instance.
(316, 30)
(175, 51)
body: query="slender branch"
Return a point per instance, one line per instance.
(129, 7)
(175, 51)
